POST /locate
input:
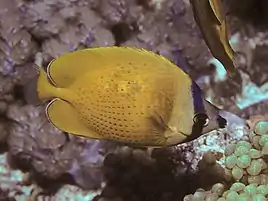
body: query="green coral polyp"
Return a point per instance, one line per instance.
(255, 141)
(261, 128)
(241, 150)
(218, 189)
(230, 149)
(251, 189)
(254, 153)
(263, 140)
(232, 196)
(254, 179)
(245, 162)
(230, 161)
(264, 150)
(237, 173)
(254, 168)
(263, 164)
(244, 144)
(237, 186)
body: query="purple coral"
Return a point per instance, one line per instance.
(51, 152)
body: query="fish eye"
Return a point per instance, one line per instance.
(201, 119)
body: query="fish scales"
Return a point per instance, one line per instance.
(119, 102)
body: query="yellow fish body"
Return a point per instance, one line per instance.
(211, 20)
(124, 94)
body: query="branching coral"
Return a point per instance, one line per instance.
(16, 43)
(14, 187)
(16, 49)
(64, 26)
(50, 152)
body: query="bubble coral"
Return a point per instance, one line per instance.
(247, 163)
(247, 159)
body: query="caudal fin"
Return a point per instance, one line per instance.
(45, 89)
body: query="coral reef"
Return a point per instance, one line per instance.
(246, 168)
(15, 186)
(51, 153)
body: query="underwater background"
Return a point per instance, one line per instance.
(39, 162)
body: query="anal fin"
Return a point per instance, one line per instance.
(63, 116)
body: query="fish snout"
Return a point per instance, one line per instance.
(232, 120)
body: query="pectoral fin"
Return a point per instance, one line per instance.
(63, 116)
(158, 121)
(64, 70)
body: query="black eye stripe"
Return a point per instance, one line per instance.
(201, 119)
(197, 98)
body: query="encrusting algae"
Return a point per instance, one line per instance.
(125, 94)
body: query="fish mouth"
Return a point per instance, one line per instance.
(233, 121)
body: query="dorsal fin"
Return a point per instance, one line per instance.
(63, 71)
(180, 61)
(217, 9)
(67, 68)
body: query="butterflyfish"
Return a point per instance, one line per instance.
(211, 20)
(129, 95)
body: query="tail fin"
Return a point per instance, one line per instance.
(45, 89)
